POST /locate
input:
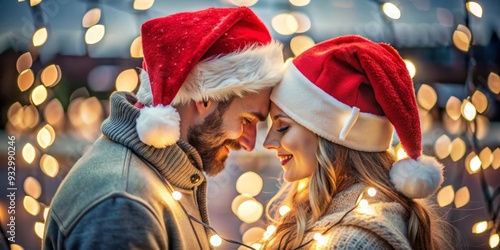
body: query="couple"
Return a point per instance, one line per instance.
(208, 78)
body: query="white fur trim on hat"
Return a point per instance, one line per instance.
(327, 116)
(158, 126)
(417, 178)
(220, 78)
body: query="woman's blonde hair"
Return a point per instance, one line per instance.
(338, 168)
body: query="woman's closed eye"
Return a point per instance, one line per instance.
(283, 129)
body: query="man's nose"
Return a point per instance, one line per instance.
(248, 137)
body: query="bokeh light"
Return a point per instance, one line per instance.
(474, 8)
(480, 101)
(32, 187)
(462, 197)
(486, 157)
(237, 202)
(249, 183)
(215, 240)
(285, 24)
(250, 211)
(494, 240)
(303, 21)
(39, 228)
(472, 163)
(24, 62)
(51, 75)
(426, 97)
(136, 48)
(25, 80)
(49, 165)
(38, 95)
(442, 147)
(94, 34)
(91, 18)
(494, 82)
(300, 2)
(31, 205)
(247, 3)
(468, 110)
(445, 196)
(391, 10)
(29, 153)
(453, 108)
(253, 235)
(495, 163)
(40, 37)
(412, 70)
(53, 112)
(480, 227)
(300, 44)
(462, 37)
(284, 210)
(127, 80)
(143, 4)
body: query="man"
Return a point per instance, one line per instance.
(206, 83)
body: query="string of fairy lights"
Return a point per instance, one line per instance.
(43, 121)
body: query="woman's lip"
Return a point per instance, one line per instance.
(286, 160)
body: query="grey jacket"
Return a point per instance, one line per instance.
(119, 194)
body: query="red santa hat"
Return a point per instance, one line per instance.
(217, 53)
(356, 91)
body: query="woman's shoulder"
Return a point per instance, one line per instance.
(378, 216)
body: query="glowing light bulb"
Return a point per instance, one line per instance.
(215, 240)
(363, 204)
(176, 195)
(269, 232)
(284, 210)
(320, 240)
(372, 192)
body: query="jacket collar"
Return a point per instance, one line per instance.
(180, 163)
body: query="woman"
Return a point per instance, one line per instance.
(332, 124)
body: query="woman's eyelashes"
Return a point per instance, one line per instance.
(283, 129)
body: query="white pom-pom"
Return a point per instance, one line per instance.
(417, 178)
(158, 126)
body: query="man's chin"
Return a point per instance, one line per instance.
(216, 167)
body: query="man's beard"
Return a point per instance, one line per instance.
(209, 138)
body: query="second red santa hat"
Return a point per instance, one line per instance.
(356, 91)
(216, 54)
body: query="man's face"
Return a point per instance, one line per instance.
(231, 126)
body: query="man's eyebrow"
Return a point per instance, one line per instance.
(259, 116)
(279, 115)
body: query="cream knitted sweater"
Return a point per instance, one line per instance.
(383, 225)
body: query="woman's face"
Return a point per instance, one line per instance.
(294, 144)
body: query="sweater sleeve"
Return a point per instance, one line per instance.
(117, 223)
(352, 237)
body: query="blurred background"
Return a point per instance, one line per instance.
(61, 59)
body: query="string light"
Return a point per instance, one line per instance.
(176, 195)
(372, 192)
(215, 240)
(321, 240)
(269, 232)
(284, 210)
(363, 204)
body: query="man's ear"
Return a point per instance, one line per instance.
(204, 108)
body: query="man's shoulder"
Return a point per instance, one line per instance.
(106, 170)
